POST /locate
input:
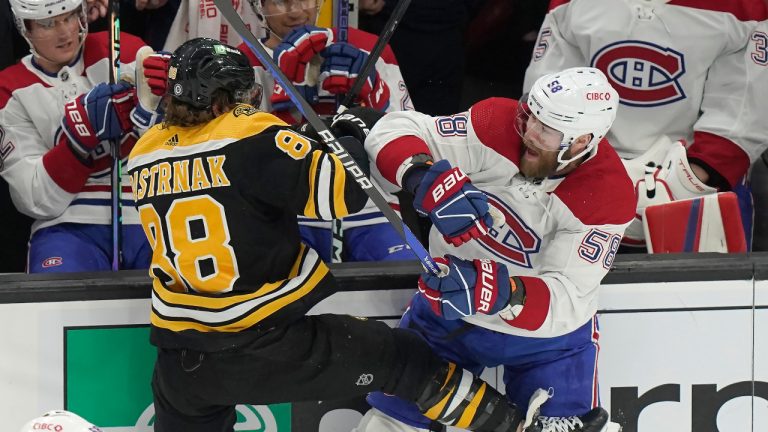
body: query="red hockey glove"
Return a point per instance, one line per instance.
(156, 72)
(101, 114)
(298, 48)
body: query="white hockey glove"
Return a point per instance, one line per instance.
(148, 111)
(673, 180)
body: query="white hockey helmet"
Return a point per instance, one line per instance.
(45, 9)
(59, 421)
(575, 102)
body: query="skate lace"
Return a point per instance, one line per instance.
(561, 424)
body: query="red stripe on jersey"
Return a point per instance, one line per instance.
(555, 3)
(65, 168)
(97, 47)
(14, 78)
(599, 191)
(721, 154)
(493, 121)
(392, 156)
(536, 308)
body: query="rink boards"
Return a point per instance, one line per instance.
(683, 347)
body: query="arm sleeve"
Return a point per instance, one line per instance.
(293, 172)
(399, 136)
(554, 49)
(729, 135)
(43, 180)
(572, 267)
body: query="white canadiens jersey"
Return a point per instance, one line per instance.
(561, 234)
(399, 100)
(668, 64)
(47, 182)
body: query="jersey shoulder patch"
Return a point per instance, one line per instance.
(599, 191)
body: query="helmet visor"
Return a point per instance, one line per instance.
(535, 132)
(279, 7)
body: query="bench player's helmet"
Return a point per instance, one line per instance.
(44, 10)
(201, 66)
(60, 421)
(575, 102)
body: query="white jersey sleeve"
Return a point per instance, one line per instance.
(561, 234)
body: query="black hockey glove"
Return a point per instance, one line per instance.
(355, 122)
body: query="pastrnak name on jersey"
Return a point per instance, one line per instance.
(179, 176)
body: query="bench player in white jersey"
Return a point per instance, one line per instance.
(681, 104)
(522, 295)
(291, 34)
(56, 117)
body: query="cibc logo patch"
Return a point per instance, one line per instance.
(644, 74)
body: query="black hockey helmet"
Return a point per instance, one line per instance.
(201, 66)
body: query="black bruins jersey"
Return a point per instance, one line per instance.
(218, 203)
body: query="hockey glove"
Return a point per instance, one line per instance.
(151, 84)
(155, 71)
(101, 114)
(457, 209)
(343, 62)
(465, 288)
(673, 180)
(298, 48)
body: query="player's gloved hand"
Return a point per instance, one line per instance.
(457, 209)
(281, 102)
(154, 70)
(101, 114)
(343, 63)
(297, 49)
(466, 288)
(673, 180)
(151, 79)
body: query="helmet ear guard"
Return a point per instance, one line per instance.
(201, 66)
(577, 101)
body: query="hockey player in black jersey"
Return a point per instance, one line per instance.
(218, 186)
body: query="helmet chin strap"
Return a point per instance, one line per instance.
(562, 163)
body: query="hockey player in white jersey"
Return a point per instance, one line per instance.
(522, 294)
(56, 117)
(682, 106)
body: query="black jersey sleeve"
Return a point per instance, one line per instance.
(291, 171)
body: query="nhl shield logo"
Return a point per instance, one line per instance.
(644, 74)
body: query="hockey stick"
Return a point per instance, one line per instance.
(225, 6)
(116, 176)
(337, 228)
(375, 53)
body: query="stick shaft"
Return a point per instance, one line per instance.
(225, 6)
(116, 173)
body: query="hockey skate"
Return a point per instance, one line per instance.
(595, 420)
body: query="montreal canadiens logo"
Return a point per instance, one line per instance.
(515, 242)
(644, 74)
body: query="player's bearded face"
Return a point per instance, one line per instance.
(538, 163)
(57, 39)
